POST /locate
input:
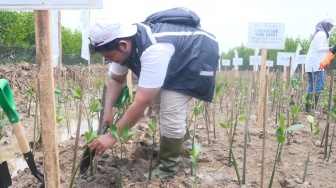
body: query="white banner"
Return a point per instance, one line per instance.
(283, 58)
(255, 60)
(225, 62)
(54, 37)
(300, 59)
(269, 63)
(237, 61)
(266, 35)
(85, 25)
(50, 4)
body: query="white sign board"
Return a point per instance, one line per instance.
(266, 35)
(225, 62)
(269, 63)
(283, 58)
(255, 60)
(300, 59)
(237, 61)
(50, 4)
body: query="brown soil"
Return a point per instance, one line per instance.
(213, 168)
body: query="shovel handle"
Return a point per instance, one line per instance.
(21, 137)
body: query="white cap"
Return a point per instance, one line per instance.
(330, 20)
(105, 30)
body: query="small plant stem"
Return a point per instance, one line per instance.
(77, 167)
(279, 153)
(236, 167)
(91, 165)
(151, 161)
(232, 138)
(306, 163)
(321, 145)
(121, 166)
(330, 147)
(214, 120)
(274, 166)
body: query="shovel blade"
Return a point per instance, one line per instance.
(5, 177)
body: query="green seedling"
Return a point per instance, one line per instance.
(218, 93)
(122, 136)
(194, 156)
(153, 130)
(89, 136)
(29, 96)
(226, 126)
(75, 94)
(240, 119)
(281, 137)
(59, 116)
(314, 132)
(333, 116)
(3, 122)
(197, 111)
(92, 111)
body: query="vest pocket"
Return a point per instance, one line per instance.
(200, 78)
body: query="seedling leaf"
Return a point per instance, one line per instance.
(282, 123)
(130, 134)
(114, 131)
(125, 130)
(295, 127)
(196, 111)
(279, 135)
(310, 119)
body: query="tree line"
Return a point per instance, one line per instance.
(17, 43)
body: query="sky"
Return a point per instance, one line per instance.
(227, 19)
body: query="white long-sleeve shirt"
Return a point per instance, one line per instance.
(317, 51)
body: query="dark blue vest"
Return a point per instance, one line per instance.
(192, 68)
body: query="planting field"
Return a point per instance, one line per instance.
(210, 123)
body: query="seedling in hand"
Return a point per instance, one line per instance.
(122, 136)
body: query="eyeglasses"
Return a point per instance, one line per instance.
(95, 44)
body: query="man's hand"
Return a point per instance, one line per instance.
(102, 144)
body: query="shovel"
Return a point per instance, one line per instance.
(7, 103)
(85, 162)
(5, 177)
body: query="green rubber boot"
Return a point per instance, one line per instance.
(308, 103)
(170, 155)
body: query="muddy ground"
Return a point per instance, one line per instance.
(213, 168)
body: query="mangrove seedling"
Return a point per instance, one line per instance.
(226, 126)
(153, 130)
(314, 132)
(122, 136)
(197, 111)
(194, 156)
(281, 137)
(89, 136)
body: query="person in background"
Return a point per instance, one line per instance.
(318, 49)
(329, 57)
(174, 59)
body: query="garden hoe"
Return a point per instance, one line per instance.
(85, 162)
(7, 103)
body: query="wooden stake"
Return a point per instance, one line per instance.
(80, 109)
(47, 98)
(262, 89)
(264, 137)
(328, 116)
(248, 113)
(59, 67)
